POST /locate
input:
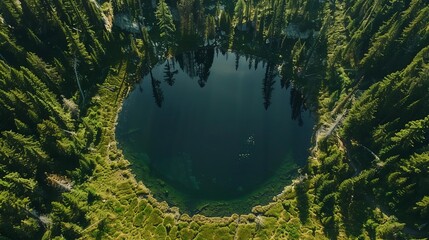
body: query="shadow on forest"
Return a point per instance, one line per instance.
(355, 215)
(303, 201)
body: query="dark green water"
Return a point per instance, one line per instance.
(214, 129)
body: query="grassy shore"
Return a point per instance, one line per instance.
(126, 209)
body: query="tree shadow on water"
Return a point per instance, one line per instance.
(303, 200)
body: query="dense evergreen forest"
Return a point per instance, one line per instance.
(362, 67)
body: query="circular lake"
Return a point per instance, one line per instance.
(214, 132)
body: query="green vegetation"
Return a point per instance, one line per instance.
(64, 70)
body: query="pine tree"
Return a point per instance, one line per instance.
(239, 11)
(165, 23)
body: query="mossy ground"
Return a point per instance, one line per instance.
(125, 208)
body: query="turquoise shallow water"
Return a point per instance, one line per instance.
(213, 126)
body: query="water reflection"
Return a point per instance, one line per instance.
(169, 72)
(197, 65)
(297, 102)
(158, 94)
(216, 126)
(211, 123)
(268, 83)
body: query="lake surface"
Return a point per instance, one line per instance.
(209, 129)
